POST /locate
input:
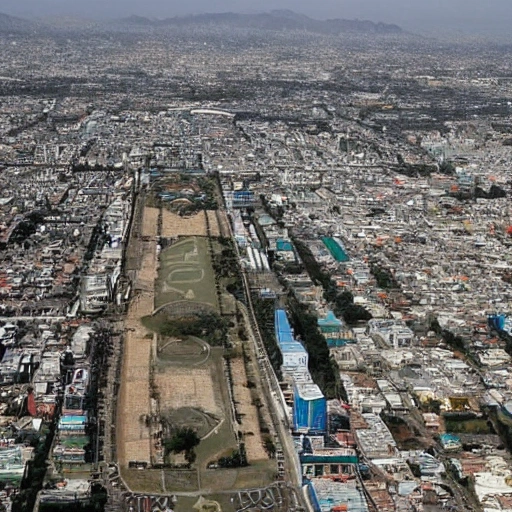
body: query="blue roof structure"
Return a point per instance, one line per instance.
(287, 343)
(283, 245)
(72, 423)
(309, 408)
(330, 320)
(284, 332)
(292, 346)
(500, 322)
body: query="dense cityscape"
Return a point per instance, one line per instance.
(255, 262)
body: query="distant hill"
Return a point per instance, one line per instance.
(12, 24)
(278, 20)
(138, 20)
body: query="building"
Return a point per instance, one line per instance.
(309, 408)
(334, 330)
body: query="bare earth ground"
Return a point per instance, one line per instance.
(214, 225)
(223, 222)
(133, 436)
(250, 424)
(173, 225)
(150, 221)
(186, 387)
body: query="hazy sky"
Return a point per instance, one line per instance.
(483, 16)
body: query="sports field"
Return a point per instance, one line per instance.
(186, 273)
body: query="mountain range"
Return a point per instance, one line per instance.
(277, 21)
(12, 24)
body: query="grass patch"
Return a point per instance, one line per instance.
(471, 426)
(186, 503)
(199, 421)
(210, 327)
(181, 480)
(255, 476)
(221, 441)
(186, 273)
(187, 351)
(143, 480)
(259, 474)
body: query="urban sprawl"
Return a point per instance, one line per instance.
(248, 268)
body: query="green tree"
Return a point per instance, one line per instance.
(184, 440)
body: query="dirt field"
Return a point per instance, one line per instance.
(250, 424)
(174, 225)
(133, 437)
(150, 222)
(252, 370)
(184, 387)
(214, 225)
(223, 222)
